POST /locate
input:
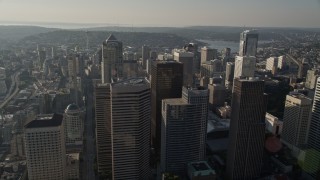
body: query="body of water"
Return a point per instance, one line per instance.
(220, 45)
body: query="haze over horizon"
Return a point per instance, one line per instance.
(165, 13)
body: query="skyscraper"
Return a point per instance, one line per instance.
(312, 76)
(208, 54)
(229, 75)
(74, 125)
(111, 65)
(244, 66)
(272, 65)
(217, 94)
(41, 57)
(296, 120)
(193, 47)
(186, 58)
(247, 129)
(313, 155)
(130, 124)
(145, 55)
(210, 68)
(166, 82)
(184, 125)
(248, 43)
(71, 58)
(123, 114)
(45, 147)
(103, 128)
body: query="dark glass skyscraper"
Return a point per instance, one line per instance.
(166, 82)
(111, 65)
(247, 129)
(248, 43)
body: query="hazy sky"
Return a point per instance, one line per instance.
(279, 13)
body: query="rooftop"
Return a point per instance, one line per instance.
(175, 101)
(200, 168)
(45, 120)
(132, 82)
(72, 107)
(111, 38)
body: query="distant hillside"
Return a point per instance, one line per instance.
(14, 33)
(136, 39)
(201, 32)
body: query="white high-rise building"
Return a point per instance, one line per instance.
(244, 66)
(296, 120)
(272, 64)
(184, 124)
(281, 62)
(45, 148)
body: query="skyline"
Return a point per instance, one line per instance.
(281, 13)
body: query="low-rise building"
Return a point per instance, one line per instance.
(200, 171)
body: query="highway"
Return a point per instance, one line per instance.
(294, 60)
(11, 93)
(90, 147)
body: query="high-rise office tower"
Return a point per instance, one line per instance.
(193, 47)
(72, 71)
(166, 82)
(247, 129)
(272, 65)
(208, 54)
(74, 125)
(111, 65)
(312, 77)
(209, 68)
(248, 43)
(226, 53)
(313, 155)
(145, 55)
(184, 124)
(226, 56)
(103, 128)
(153, 55)
(186, 58)
(130, 124)
(296, 120)
(80, 65)
(281, 62)
(217, 93)
(229, 75)
(45, 147)
(244, 66)
(42, 55)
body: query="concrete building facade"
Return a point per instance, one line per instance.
(45, 148)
